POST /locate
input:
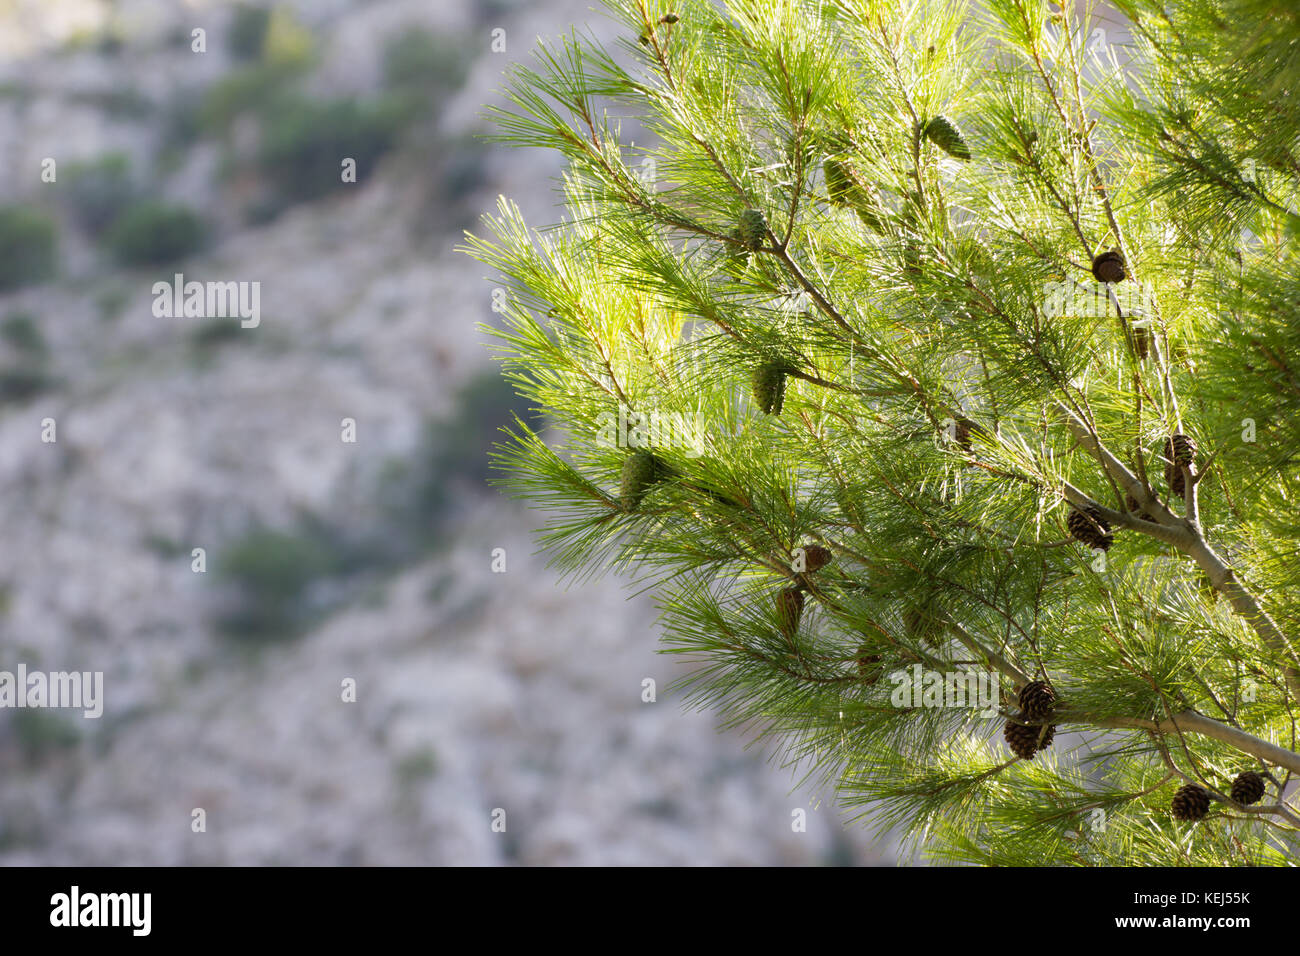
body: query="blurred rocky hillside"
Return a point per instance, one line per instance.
(326, 560)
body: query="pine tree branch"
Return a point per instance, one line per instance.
(1187, 537)
(1278, 809)
(1192, 722)
(1247, 606)
(1019, 677)
(853, 467)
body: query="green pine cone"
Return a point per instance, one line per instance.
(946, 136)
(752, 229)
(737, 260)
(641, 469)
(844, 189)
(769, 386)
(839, 183)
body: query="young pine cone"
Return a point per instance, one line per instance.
(943, 133)
(641, 469)
(769, 386)
(752, 229)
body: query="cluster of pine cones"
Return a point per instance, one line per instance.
(1088, 526)
(1032, 731)
(1192, 801)
(789, 603)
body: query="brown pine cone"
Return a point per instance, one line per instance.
(1037, 699)
(1089, 528)
(870, 667)
(1109, 267)
(1023, 740)
(815, 557)
(789, 610)
(1179, 451)
(1248, 788)
(1191, 802)
(1136, 508)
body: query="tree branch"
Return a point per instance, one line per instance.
(1191, 722)
(1187, 538)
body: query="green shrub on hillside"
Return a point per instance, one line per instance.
(27, 247)
(246, 35)
(98, 192)
(153, 232)
(305, 143)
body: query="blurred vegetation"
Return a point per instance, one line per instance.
(154, 232)
(126, 103)
(276, 53)
(269, 35)
(452, 459)
(181, 126)
(27, 247)
(271, 572)
(20, 331)
(460, 445)
(416, 767)
(20, 382)
(42, 733)
(304, 143)
(282, 581)
(25, 375)
(247, 32)
(212, 333)
(425, 65)
(97, 192)
(110, 302)
(251, 89)
(286, 41)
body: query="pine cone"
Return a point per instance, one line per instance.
(839, 182)
(789, 610)
(962, 431)
(769, 386)
(1184, 450)
(870, 667)
(1023, 740)
(1109, 267)
(943, 133)
(1089, 528)
(752, 229)
(641, 469)
(1141, 341)
(1136, 508)
(815, 557)
(1248, 788)
(1048, 735)
(845, 188)
(1179, 451)
(1191, 802)
(1037, 699)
